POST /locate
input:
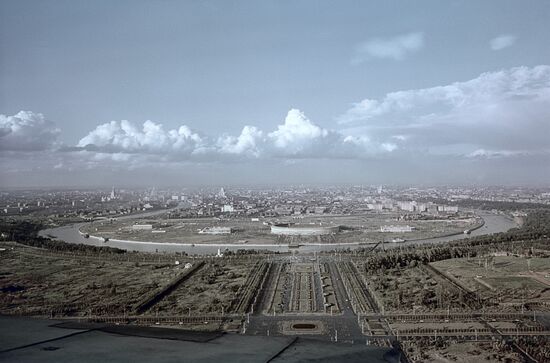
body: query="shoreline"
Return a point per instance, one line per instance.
(274, 245)
(493, 223)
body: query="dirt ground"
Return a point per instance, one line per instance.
(210, 290)
(33, 283)
(459, 352)
(412, 289)
(505, 280)
(504, 283)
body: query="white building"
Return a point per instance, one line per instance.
(227, 208)
(375, 206)
(216, 230)
(396, 229)
(137, 227)
(407, 206)
(422, 207)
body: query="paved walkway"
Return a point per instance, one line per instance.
(37, 340)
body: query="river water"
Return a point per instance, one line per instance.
(494, 223)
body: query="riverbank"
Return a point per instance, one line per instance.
(493, 223)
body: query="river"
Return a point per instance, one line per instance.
(494, 223)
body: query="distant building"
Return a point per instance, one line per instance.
(216, 230)
(283, 210)
(142, 226)
(320, 210)
(407, 206)
(290, 229)
(375, 206)
(221, 193)
(422, 207)
(447, 209)
(396, 229)
(227, 208)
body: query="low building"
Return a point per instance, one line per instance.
(216, 230)
(289, 229)
(396, 229)
(227, 208)
(138, 227)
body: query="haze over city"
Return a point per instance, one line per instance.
(211, 93)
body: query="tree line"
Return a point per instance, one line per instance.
(532, 235)
(26, 232)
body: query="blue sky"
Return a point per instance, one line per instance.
(366, 89)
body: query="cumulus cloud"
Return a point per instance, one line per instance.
(27, 131)
(490, 154)
(390, 48)
(247, 143)
(124, 137)
(360, 146)
(297, 137)
(503, 110)
(296, 130)
(502, 41)
(496, 116)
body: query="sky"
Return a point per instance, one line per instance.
(143, 93)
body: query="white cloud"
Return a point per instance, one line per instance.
(296, 138)
(388, 146)
(124, 137)
(498, 115)
(400, 137)
(297, 133)
(489, 154)
(502, 41)
(248, 142)
(503, 110)
(299, 137)
(390, 48)
(27, 131)
(361, 146)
